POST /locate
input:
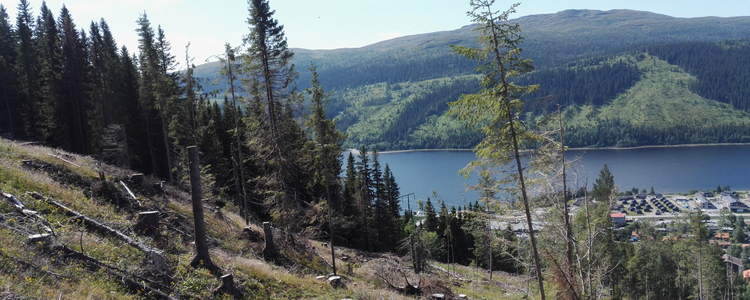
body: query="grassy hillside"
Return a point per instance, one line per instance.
(660, 108)
(78, 261)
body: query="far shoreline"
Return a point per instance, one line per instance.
(575, 149)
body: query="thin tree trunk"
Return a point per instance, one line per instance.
(7, 106)
(330, 214)
(241, 192)
(516, 152)
(489, 236)
(166, 148)
(150, 143)
(566, 214)
(590, 242)
(700, 272)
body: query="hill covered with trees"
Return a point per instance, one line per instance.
(392, 94)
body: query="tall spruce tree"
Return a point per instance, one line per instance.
(350, 219)
(157, 93)
(230, 67)
(392, 192)
(28, 72)
(75, 96)
(10, 109)
(148, 64)
(105, 75)
(275, 135)
(268, 60)
(380, 206)
(327, 141)
(604, 185)
(55, 111)
(499, 104)
(364, 196)
(132, 113)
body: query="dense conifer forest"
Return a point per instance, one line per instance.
(77, 90)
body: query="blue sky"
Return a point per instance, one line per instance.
(328, 24)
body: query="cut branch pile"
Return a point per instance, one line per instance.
(133, 280)
(156, 255)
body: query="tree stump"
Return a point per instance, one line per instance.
(158, 188)
(335, 281)
(148, 222)
(227, 287)
(269, 251)
(136, 178)
(44, 239)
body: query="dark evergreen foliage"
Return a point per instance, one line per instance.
(721, 68)
(587, 83)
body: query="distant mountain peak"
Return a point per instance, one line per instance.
(585, 19)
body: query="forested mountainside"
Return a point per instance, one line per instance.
(392, 94)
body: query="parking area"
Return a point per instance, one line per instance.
(670, 205)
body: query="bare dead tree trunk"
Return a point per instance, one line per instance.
(202, 257)
(489, 236)
(591, 243)
(167, 148)
(566, 214)
(7, 106)
(239, 181)
(330, 215)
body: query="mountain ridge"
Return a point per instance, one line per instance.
(560, 44)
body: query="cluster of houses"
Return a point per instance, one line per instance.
(704, 200)
(726, 200)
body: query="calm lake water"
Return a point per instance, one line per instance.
(667, 169)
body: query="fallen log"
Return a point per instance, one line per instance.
(133, 280)
(21, 208)
(13, 200)
(130, 193)
(156, 255)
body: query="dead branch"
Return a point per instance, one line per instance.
(571, 285)
(155, 254)
(28, 265)
(131, 279)
(63, 159)
(20, 208)
(13, 200)
(408, 289)
(130, 193)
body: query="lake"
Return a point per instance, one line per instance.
(667, 169)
